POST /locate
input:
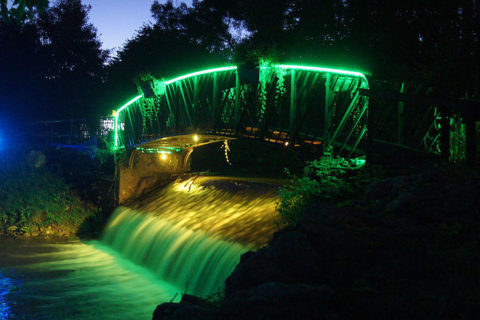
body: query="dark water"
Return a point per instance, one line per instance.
(188, 237)
(75, 280)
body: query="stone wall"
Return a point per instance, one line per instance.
(140, 173)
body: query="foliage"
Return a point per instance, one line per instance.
(33, 200)
(457, 139)
(393, 39)
(197, 23)
(50, 56)
(49, 64)
(21, 66)
(181, 40)
(75, 58)
(295, 196)
(21, 10)
(325, 178)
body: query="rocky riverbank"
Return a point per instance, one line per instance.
(406, 247)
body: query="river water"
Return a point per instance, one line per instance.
(186, 237)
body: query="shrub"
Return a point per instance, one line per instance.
(33, 199)
(324, 178)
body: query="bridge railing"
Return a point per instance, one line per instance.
(414, 117)
(314, 107)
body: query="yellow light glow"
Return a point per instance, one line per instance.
(195, 137)
(164, 156)
(286, 143)
(188, 186)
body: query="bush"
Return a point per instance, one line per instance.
(35, 201)
(325, 178)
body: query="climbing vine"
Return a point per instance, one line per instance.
(457, 139)
(226, 147)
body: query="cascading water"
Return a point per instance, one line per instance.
(192, 260)
(187, 237)
(192, 233)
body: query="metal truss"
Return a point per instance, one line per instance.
(317, 108)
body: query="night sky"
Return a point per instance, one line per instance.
(118, 20)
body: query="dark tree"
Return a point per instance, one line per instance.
(75, 60)
(436, 42)
(182, 39)
(51, 66)
(21, 69)
(21, 10)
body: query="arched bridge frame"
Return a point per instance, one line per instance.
(309, 106)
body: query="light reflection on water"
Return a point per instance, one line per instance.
(5, 287)
(191, 233)
(233, 209)
(75, 281)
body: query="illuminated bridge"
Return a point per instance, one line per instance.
(307, 107)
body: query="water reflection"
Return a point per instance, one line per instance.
(5, 287)
(76, 281)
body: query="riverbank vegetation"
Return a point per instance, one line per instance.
(328, 178)
(46, 195)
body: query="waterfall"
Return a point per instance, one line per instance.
(192, 233)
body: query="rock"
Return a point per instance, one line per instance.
(290, 258)
(190, 307)
(410, 251)
(182, 311)
(275, 300)
(383, 191)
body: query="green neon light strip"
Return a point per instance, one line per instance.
(162, 148)
(322, 69)
(117, 113)
(189, 75)
(199, 73)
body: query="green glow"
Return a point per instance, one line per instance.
(162, 150)
(116, 118)
(280, 68)
(322, 69)
(198, 73)
(161, 89)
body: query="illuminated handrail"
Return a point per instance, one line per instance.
(117, 113)
(199, 73)
(325, 70)
(166, 83)
(230, 68)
